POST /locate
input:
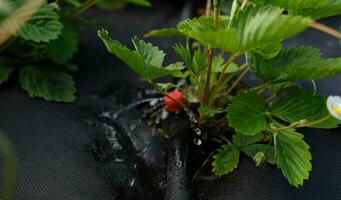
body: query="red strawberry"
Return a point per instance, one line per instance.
(170, 104)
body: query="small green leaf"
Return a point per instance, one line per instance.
(63, 49)
(269, 51)
(246, 114)
(140, 2)
(267, 150)
(43, 26)
(210, 112)
(241, 140)
(151, 54)
(166, 86)
(185, 54)
(292, 156)
(299, 105)
(5, 69)
(218, 64)
(226, 160)
(198, 61)
(165, 32)
(48, 83)
(146, 60)
(302, 63)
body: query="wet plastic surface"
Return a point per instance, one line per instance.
(51, 140)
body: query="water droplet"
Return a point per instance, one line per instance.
(119, 160)
(132, 182)
(154, 102)
(164, 114)
(105, 114)
(197, 131)
(180, 83)
(132, 126)
(197, 141)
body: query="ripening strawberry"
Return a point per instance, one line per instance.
(169, 104)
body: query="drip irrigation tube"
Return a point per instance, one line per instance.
(178, 174)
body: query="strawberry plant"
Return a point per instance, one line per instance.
(38, 41)
(263, 121)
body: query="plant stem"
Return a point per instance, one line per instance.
(216, 13)
(203, 164)
(223, 76)
(82, 8)
(208, 77)
(235, 84)
(303, 125)
(244, 4)
(326, 29)
(208, 7)
(227, 79)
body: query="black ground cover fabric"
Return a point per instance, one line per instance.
(51, 139)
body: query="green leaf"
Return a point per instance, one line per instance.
(254, 27)
(292, 156)
(302, 63)
(210, 112)
(43, 26)
(185, 54)
(165, 32)
(5, 69)
(299, 105)
(63, 49)
(203, 30)
(254, 149)
(166, 86)
(48, 83)
(269, 51)
(292, 4)
(218, 64)
(197, 63)
(226, 160)
(151, 54)
(246, 113)
(261, 25)
(140, 2)
(312, 8)
(327, 8)
(146, 60)
(241, 140)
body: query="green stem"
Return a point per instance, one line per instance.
(208, 78)
(326, 29)
(223, 75)
(216, 13)
(244, 4)
(82, 8)
(308, 124)
(208, 7)
(235, 84)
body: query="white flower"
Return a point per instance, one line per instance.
(334, 106)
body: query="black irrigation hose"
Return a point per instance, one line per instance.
(178, 176)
